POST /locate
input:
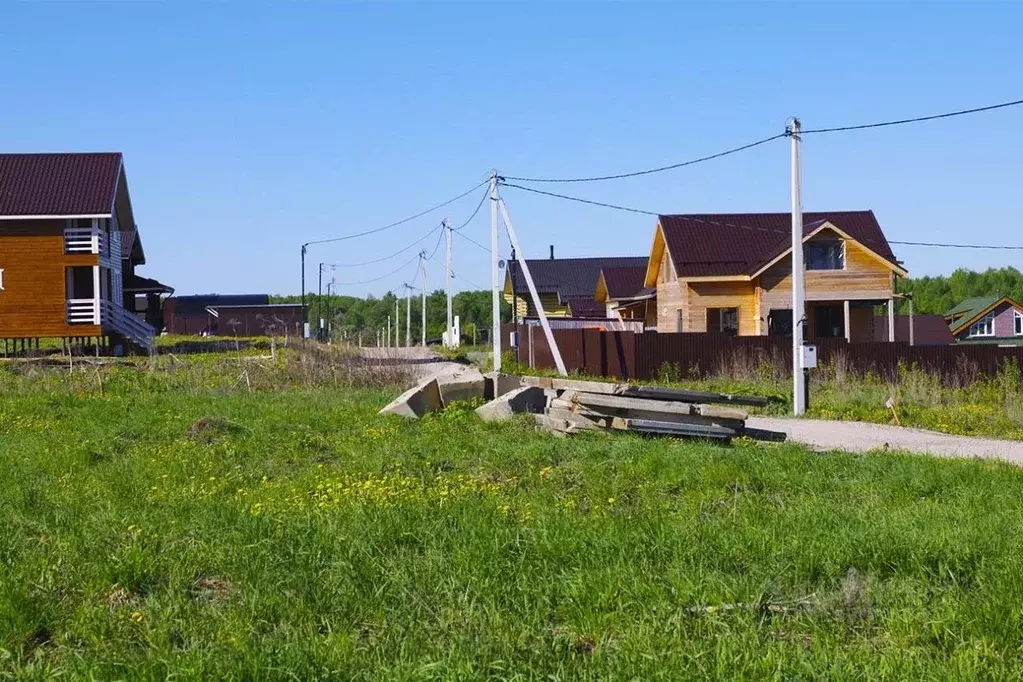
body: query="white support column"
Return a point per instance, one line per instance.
(450, 335)
(848, 327)
(97, 313)
(798, 284)
(891, 319)
(532, 292)
(397, 324)
(408, 315)
(495, 323)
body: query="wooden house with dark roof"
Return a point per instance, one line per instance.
(731, 273)
(68, 243)
(625, 296)
(566, 286)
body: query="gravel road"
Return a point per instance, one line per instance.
(860, 437)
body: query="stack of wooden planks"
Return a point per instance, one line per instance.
(575, 406)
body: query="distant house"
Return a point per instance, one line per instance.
(732, 273)
(231, 315)
(987, 319)
(622, 292)
(68, 246)
(566, 286)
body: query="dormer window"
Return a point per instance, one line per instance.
(824, 255)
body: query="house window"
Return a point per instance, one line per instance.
(985, 327)
(681, 318)
(1017, 318)
(723, 320)
(824, 255)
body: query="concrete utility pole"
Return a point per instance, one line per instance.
(397, 324)
(798, 283)
(319, 301)
(387, 342)
(532, 292)
(408, 314)
(495, 285)
(450, 340)
(422, 262)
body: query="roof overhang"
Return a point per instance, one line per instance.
(67, 216)
(657, 250)
(827, 225)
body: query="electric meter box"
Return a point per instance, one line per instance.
(808, 357)
(513, 339)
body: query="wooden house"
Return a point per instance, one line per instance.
(987, 319)
(566, 286)
(622, 292)
(68, 243)
(732, 273)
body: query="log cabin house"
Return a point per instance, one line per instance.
(68, 246)
(622, 291)
(731, 273)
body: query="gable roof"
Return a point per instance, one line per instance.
(566, 277)
(739, 244)
(587, 307)
(972, 309)
(58, 185)
(623, 282)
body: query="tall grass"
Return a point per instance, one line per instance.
(179, 523)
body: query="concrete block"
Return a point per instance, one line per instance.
(497, 384)
(526, 399)
(465, 385)
(417, 401)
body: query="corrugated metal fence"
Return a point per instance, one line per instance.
(628, 355)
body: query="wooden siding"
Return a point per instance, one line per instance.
(671, 296)
(864, 278)
(524, 305)
(705, 295)
(33, 303)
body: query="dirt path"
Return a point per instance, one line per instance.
(423, 362)
(861, 437)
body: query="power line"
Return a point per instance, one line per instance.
(472, 241)
(396, 253)
(758, 229)
(402, 221)
(659, 169)
(377, 279)
(950, 114)
(478, 207)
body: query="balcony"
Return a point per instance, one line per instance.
(85, 240)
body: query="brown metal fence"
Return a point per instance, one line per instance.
(627, 355)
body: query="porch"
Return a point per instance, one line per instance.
(852, 320)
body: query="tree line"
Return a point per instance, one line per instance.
(352, 315)
(939, 294)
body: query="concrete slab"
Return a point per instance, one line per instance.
(498, 383)
(419, 400)
(527, 399)
(468, 384)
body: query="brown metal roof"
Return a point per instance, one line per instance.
(624, 282)
(58, 184)
(568, 277)
(728, 244)
(587, 307)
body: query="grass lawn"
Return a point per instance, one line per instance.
(159, 526)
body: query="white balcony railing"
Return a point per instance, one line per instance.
(83, 311)
(85, 240)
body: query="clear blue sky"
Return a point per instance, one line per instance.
(249, 128)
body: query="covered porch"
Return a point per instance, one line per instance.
(852, 319)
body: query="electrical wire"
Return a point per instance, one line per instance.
(659, 169)
(472, 241)
(377, 279)
(385, 258)
(918, 119)
(758, 229)
(478, 207)
(399, 222)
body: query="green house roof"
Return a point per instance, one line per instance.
(971, 307)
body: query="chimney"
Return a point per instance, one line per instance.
(552, 251)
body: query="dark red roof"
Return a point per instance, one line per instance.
(928, 330)
(58, 184)
(567, 277)
(724, 244)
(624, 282)
(587, 307)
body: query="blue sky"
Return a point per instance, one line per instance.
(249, 128)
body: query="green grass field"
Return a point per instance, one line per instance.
(177, 522)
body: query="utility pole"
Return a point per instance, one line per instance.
(408, 314)
(559, 363)
(447, 286)
(422, 263)
(798, 283)
(319, 301)
(388, 342)
(305, 318)
(397, 323)
(495, 331)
